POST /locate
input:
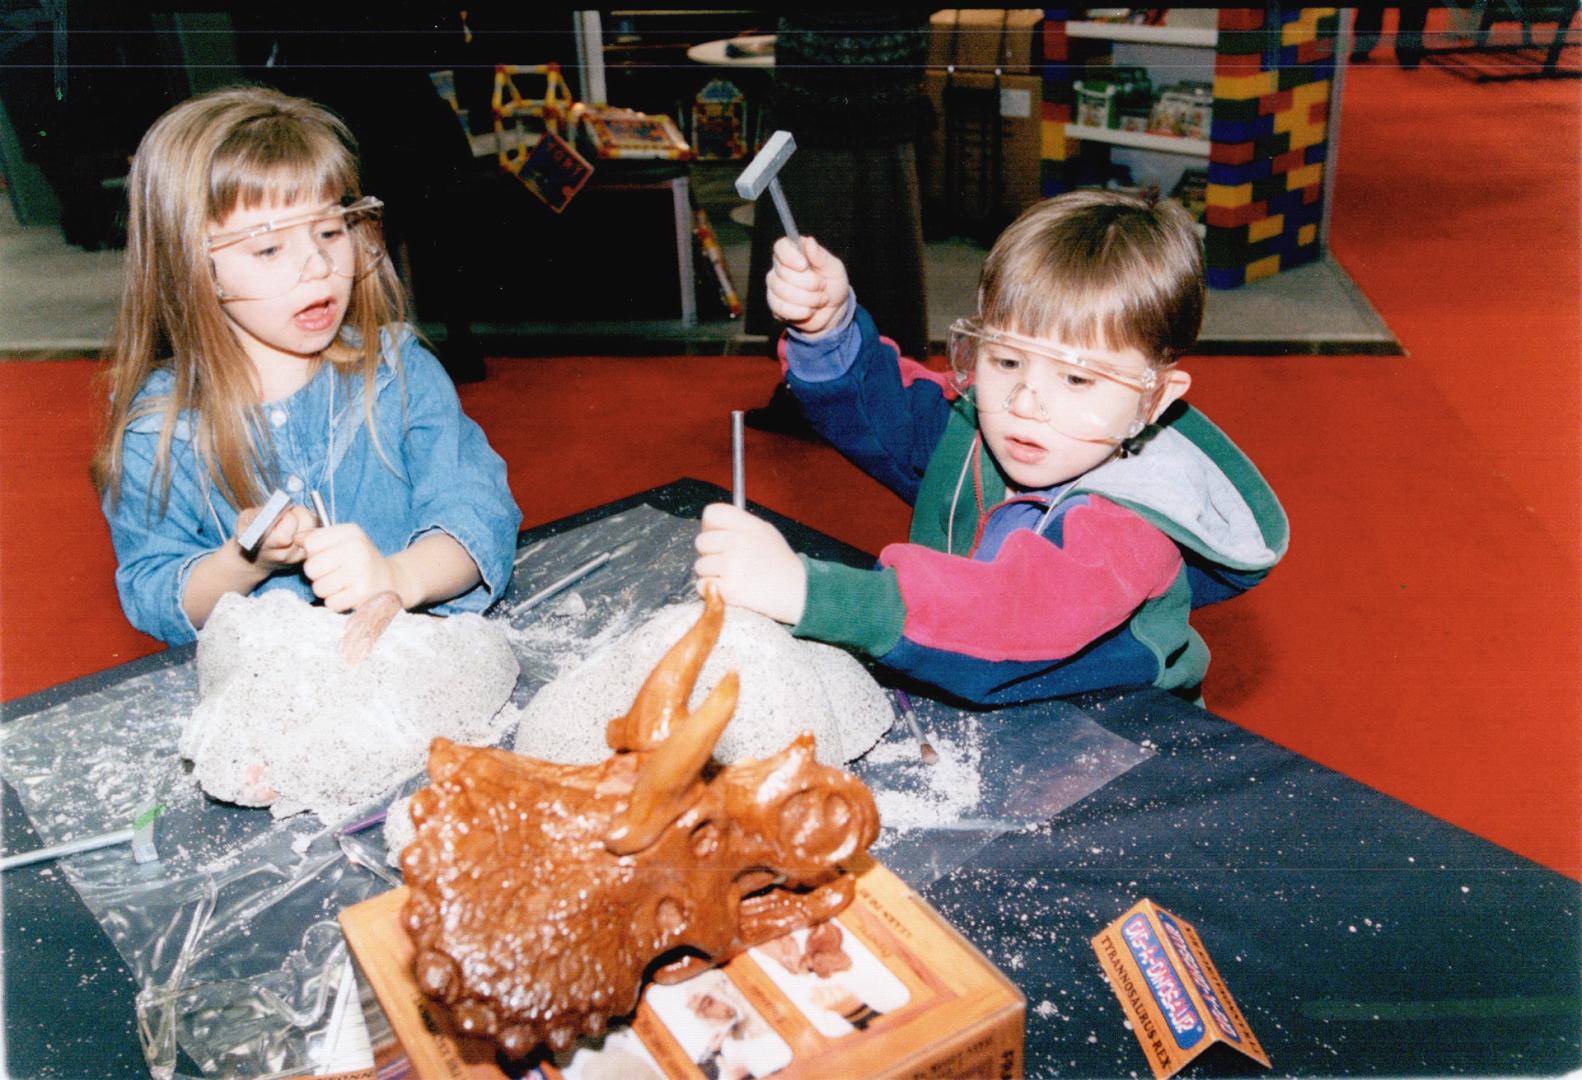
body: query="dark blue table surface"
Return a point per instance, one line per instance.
(1361, 937)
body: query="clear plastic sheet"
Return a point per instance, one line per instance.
(650, 568)
(232, 937)
(999, 772)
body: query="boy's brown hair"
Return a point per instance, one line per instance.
(1093, 267)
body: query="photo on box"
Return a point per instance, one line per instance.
(832, 978)
(620, 1055)
(719, 1031)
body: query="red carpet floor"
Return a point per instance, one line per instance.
(1424, 635)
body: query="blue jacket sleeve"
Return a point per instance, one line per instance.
(885, 413)
(155, 551)
(459, 482)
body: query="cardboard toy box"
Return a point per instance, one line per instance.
(970, 38)
(1175, 1000)
(974, 101)
(916, 1000)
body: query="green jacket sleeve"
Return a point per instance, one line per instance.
(858, 609)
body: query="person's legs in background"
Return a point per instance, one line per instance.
(1365, 27)
(1369, 23)
(1409, 34)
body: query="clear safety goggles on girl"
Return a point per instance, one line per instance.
(1080, 395)
(270, 259)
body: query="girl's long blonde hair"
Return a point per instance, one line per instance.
(238, 148)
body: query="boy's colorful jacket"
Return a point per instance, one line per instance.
(980, 605)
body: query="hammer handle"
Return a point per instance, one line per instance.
(785, 212)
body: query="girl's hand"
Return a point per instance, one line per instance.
(751, 564)
(282, 545)
(346, 569)
(808, 287)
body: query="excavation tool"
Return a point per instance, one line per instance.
(254, 534)
(764, 173)
(140, 834)
(738, 461)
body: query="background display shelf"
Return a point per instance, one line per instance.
(1141, 140)
(1272, 69)
(1191, 36)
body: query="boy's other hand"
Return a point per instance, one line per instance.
(807, 286)
(751, 564)
(346, 569)
(282, 545)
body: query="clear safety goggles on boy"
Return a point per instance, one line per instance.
(270, 259)
(1080, 395)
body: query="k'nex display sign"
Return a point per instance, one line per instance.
(1171, 992)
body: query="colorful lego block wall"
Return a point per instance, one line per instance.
(1056, 108)
(1272, 74)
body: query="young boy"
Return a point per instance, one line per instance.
(1065, 517)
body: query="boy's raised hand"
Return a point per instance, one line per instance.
(751, 564)
(807, 286)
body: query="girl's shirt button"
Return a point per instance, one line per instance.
(293, 484)
(278, 418)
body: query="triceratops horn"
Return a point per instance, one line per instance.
(660, 794)
(665, 692)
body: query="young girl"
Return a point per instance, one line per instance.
(260, 346)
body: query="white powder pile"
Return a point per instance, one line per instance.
(282, 720)
(398, 829)
(556, 636)
(923, 796)
(787, 687)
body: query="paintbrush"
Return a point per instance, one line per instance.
(140, 834)
(929, 755)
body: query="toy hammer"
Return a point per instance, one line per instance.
(141, 835)
(764, 172)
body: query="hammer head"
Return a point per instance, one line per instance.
(766, 166)
(268, 514)
(143, 849)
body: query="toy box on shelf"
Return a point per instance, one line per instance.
(916, 999)
(985, 39)
(528, 133)
(1185, 109)
(719, 122)
(979, 166)
(609, 133)
(1104, 94)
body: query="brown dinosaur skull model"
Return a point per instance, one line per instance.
(542, 893)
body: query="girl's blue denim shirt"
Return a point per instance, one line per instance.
(437, 472)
